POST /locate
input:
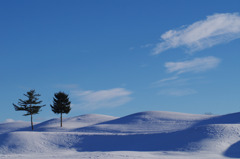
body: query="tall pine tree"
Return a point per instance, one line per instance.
(61, 104)
(30, 105)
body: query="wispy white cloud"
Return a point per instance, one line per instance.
(12, 120)
(146, 46)
(178, 81)
(168, 79)
(177, 92)
(175, 81)
(102, 98)
(9, 120)
(131, 48)
(216, 29)
(67, 86)
(195, 65)
(175, 86)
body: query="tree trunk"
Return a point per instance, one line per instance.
(61, 119)
(31, 122)
(31, 116)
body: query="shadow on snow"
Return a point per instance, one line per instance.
(233, 150)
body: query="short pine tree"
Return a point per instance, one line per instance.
(61, 104)
(30, 105)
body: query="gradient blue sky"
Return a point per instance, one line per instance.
(118, 57)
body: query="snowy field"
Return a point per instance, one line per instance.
(150, 135)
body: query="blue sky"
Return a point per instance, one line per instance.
(121, 57)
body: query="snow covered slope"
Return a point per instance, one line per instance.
(146, 132)
(70, 123)
(213, 138)
(148, 122)
(13, 126)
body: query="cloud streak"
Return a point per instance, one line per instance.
(67, 86)
(172, 81)
(195, 65)
(177, 92)
(215, 29)
(102, 98)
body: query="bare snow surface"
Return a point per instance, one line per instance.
(151, 135)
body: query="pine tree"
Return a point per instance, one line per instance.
(30, 105)
(61, 104)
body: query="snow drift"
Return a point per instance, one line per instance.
(72, 122)
(144, 131)
(148, 122)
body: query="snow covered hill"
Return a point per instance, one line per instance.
(72, 122)
(12, 126)
(153, 133)
(148, 122)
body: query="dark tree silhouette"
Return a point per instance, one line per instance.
(30, 105)
(61, 104)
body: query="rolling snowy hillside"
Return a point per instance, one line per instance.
(12, 126)
(72, 122)
(148, 122)
(151, 134)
